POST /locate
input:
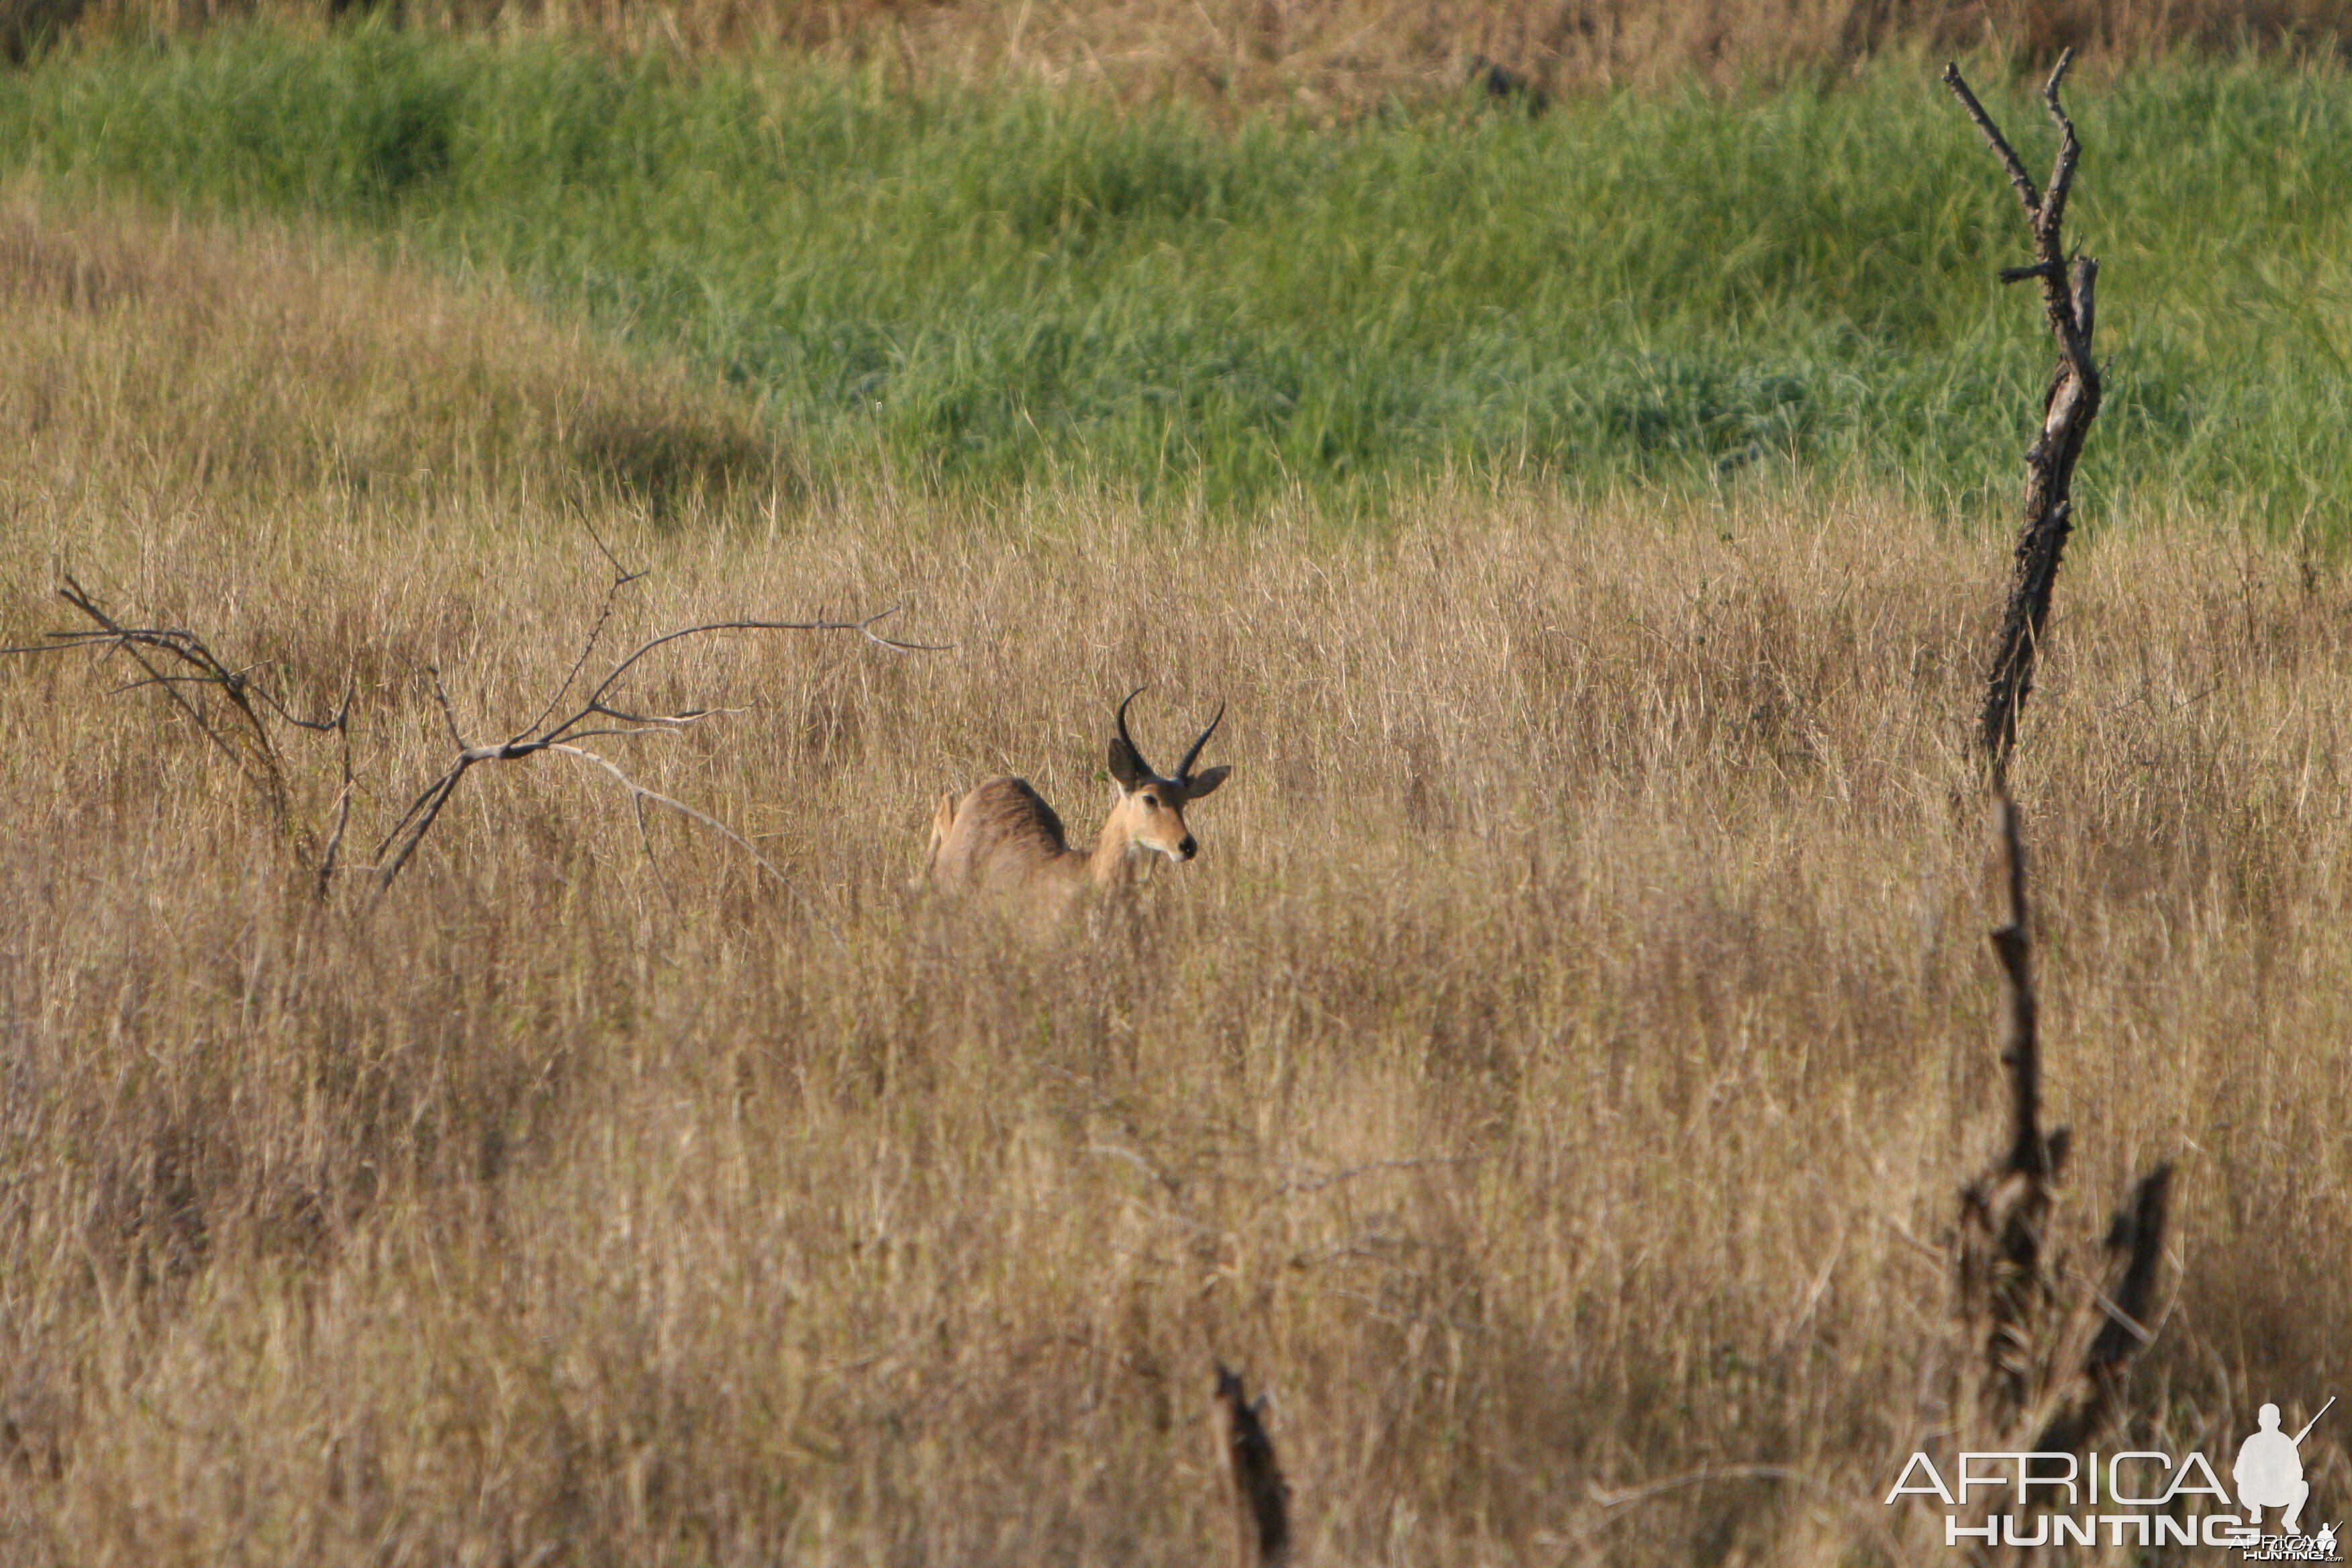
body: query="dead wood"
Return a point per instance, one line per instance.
(1261, 1497)
(2045, 1346)
(2068, 406)
(184, 667)
(598, 716)
(236, 711)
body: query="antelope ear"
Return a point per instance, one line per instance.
(1124, 766)
(1205, 781)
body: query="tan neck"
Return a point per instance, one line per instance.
(1108, 862)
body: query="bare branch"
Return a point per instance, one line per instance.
(2086, 279)
(448, 713)
(864, 627)
(195, 715)
(2026, 194)
(643, 795)
(419, 820)
(547, 733)
(2136, 1244)
(2108, 1324)
(2069, 153)
(2005, 1214)
(249, 744)
(621, 579)
(2029, 1151)
(644, 727)
(623, 574)
(327, 858)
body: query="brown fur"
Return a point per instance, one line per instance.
(1000, 835)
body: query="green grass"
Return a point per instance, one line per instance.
(986, 290)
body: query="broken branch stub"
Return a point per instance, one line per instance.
(1261, 1497)
(2068, 406)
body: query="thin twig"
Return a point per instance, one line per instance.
(645, 842)
(546, 733)
(423, 813)
(622, 578)
(864, 627)
(257, 758)
(448, 713)
(642, 794)
(326, 859)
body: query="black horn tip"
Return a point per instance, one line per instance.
(1125, 739)
(1194, 755)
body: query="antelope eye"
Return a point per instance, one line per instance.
(1152, 801)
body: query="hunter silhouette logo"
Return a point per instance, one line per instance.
(2269, 1471)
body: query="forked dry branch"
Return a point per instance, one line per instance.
(598, 717)
(185, 668)
(2046, 1346)
(1261, 1496)
(2072, 402)
(174, 659)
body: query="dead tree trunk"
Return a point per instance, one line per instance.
(2067, 410)
(2042, 1367)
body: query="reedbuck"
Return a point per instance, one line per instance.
(1003, 838)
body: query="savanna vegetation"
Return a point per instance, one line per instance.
(994, 290)
(1329, 56)
(1552, 1082)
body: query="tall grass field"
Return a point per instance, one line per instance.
(1552, 1084)
(993, 290)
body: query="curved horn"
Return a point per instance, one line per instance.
(1184, 772)
(1130, 739)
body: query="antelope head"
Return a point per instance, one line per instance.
(1151, 810)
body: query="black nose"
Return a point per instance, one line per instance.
(1190, 847)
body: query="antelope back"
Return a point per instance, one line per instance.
(1000, 834)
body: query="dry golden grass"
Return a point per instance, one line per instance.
(1554, 1075)
(138, 353)
(1329, 51)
